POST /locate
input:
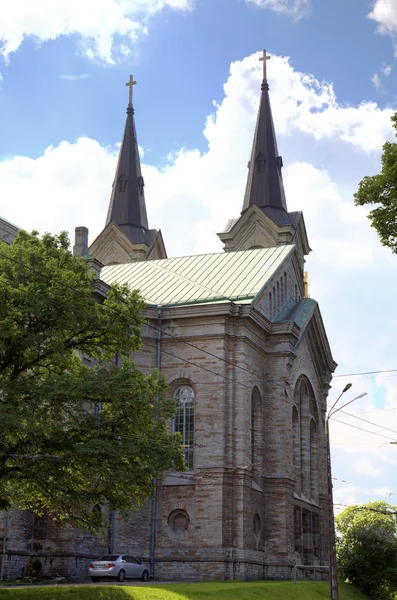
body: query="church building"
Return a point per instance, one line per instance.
(246, 357)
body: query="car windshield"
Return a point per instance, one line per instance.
(109, 557)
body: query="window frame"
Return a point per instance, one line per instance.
(185, 426)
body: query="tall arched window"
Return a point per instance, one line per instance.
(313, 460)
(282, 291)
(285, 286)
(184, 421)
(270, 306)
(308, 434)
(296, 449)
(313, 446)
(274, 303)
(278, 297)
(305, 440)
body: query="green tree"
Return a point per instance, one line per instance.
(367, 548)
(73, 436)
(381, 190)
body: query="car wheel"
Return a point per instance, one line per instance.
(95, 579)
(121, 575)
(145, 576)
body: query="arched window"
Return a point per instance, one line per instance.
(304, 433)
(285, 287)
(257, 436)
(274, 303)
(282, 291)
(313, 460)
(296, 449)
(308, 437)
(270, 306)
(278, 297)
(184, 421)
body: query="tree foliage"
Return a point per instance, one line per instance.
(381, 190)
(367, 548)
(73, 436)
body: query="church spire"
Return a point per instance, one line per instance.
(127, 206)
(265, 183)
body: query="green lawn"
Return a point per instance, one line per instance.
(257, 590)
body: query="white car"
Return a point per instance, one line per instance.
(119, 566)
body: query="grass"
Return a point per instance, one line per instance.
(257, 590)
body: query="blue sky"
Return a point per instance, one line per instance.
(180, 66)
(333, 90)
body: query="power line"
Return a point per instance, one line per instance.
(361, 429)
(367, 373)
(366, 421)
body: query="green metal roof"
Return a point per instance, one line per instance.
(233, 276)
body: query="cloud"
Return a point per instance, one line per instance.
(211, 183)
(294, 8)
(74, 77)
(387, 70)
(384, 13)
(376, 81)
(366, 467)
(97, 23)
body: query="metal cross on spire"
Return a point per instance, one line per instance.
(264, 58)
(130, 84)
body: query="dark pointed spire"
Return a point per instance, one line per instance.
(127, 206)
(265, 183)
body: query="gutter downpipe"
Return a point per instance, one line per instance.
(155, 479)
(3, 560)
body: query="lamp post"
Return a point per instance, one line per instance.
(333, 573)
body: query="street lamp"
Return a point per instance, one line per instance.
(333, 573)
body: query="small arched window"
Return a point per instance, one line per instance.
(184, 421)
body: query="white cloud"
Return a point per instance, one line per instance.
(64, 173)
(74, 77)
(366, 467)
(387, 70)
(212, 183)
(384, 13)
(383, 491)
(96, 22)
(376, 81)
(295, 8)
